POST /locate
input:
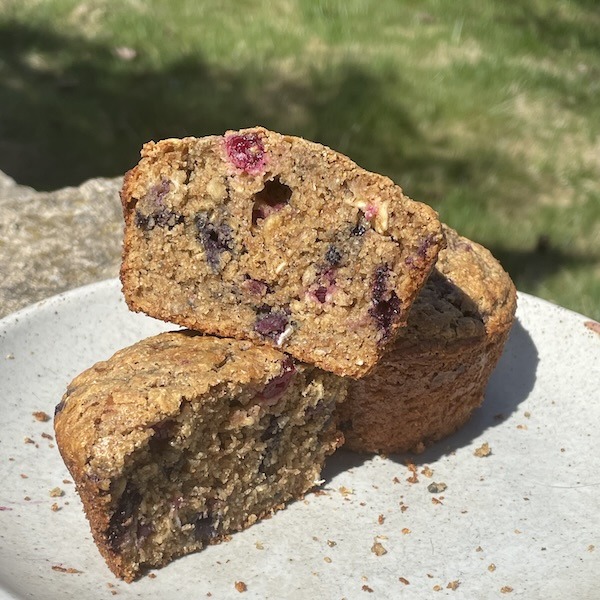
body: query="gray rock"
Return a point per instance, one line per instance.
(51, 242)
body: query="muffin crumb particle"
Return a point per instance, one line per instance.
(404, 580)
(483, 450)
(427, 471)
(56, 492)
(240, 586)
(61, 569)
(413, 470)
(436, 488)
(40, 415)
(378, 549)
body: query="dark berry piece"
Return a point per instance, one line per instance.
(321, 294)
(246, 152)
(215, 238)
(278, 385)
(380, 280)
(425, 244)
(143, 221)
(333, 255)
(162, 218)
(385, 304)
(151, 210)
(385, 312)
(270, 323)
(271, 199)
(122, 519)
(205, 527)
(154, 197)
(359, 230)
(59, 407)
(168, 218)
(324, 287)
(415, 261)
(256, 287)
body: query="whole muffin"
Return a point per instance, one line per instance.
(436, 372)
(279, 240)
(180, 440)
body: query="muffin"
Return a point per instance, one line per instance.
(180, 440)
(435, 374)
(278, 240)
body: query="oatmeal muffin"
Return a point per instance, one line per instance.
(272, 238)
(180, 440)
(436, 372)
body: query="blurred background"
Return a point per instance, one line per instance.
(489, 111)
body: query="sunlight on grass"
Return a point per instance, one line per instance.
(488, 111)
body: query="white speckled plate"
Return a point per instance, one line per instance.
(522, 522)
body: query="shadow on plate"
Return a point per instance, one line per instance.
(509, 385)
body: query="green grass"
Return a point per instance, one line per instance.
(487, 110)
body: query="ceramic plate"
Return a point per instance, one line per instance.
(522, 522)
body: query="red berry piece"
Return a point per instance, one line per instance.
(277, 386)
(246, 152)
(255, 286)
(270, 323)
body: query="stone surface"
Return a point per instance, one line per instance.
(51, 242)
